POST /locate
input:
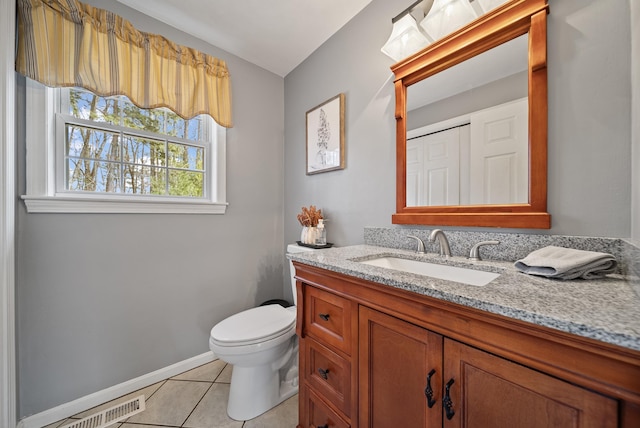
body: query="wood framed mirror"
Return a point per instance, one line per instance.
(512, 20)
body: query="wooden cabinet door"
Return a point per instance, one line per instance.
(395, 358)
(489, 391)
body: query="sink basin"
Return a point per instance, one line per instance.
(434, 270)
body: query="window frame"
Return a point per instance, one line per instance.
(45, 169)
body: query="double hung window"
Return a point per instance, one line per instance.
(88, 153)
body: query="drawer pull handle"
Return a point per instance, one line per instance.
(323, 426)
(324, 316)
(428, 391)
(324, 374)
(446, 401)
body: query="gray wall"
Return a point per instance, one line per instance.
(102, 299)
(351, 62)
(589, 123)
(635, 122)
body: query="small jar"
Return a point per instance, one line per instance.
(321, 233)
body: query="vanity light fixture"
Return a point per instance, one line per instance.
(437, 19)
(406, 38)
(487, 5)
(446, 16)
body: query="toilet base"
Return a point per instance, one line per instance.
(267, 391)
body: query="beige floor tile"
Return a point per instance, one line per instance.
(225, 376)
(207, 372)
(60, 423)
(284, 415)
(172, 403)
(126, 425)
(212, 410)
(147, 392)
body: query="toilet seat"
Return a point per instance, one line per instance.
(253, 326)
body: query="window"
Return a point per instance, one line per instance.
(113, 146)
(87, 153)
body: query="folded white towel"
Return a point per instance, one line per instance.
(567, 263)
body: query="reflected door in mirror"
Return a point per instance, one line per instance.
(483, 161)
(434, 168)
(499, 162)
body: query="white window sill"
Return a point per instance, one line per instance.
(57, 204)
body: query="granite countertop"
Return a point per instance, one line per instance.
(605, 309)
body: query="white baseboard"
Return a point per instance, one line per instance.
(88, 401)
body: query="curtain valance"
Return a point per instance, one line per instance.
(69, 43)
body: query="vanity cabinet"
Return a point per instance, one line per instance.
(397, 358)
(410, 376)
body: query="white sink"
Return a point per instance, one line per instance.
(434, 270)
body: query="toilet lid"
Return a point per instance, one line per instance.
(254, 325)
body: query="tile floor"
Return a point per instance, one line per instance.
(194, 399)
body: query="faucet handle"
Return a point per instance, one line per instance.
(474, 254)
(420, 249)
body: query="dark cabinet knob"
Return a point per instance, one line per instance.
(446, 401)
(324, 373)
(324, 316)
(323, 426)
(428, 391)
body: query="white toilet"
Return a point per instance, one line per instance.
(262, 346)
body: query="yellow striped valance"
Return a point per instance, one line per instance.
(69, 43)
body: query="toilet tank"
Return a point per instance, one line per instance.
(295, 248)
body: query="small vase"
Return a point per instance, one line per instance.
(308, 235)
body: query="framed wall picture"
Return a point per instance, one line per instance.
(325, 136)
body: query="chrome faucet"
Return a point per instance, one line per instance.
(474, 254)
(420, 249)
(438, 234)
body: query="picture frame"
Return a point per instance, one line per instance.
(325, 136)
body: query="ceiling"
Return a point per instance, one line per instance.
(276, 35)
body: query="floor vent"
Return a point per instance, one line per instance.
(111, 415)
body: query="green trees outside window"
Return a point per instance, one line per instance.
(117, 147)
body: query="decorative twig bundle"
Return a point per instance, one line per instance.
(309, 216)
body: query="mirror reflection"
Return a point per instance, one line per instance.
(467, 131)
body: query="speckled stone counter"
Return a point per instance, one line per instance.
(606, 309)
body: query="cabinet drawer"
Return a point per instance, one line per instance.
(320, 415)
(328, 318)
(329, 374)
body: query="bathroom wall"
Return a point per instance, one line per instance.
(589, 123)
(362, 194)
(635, 121)
(102, 299)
